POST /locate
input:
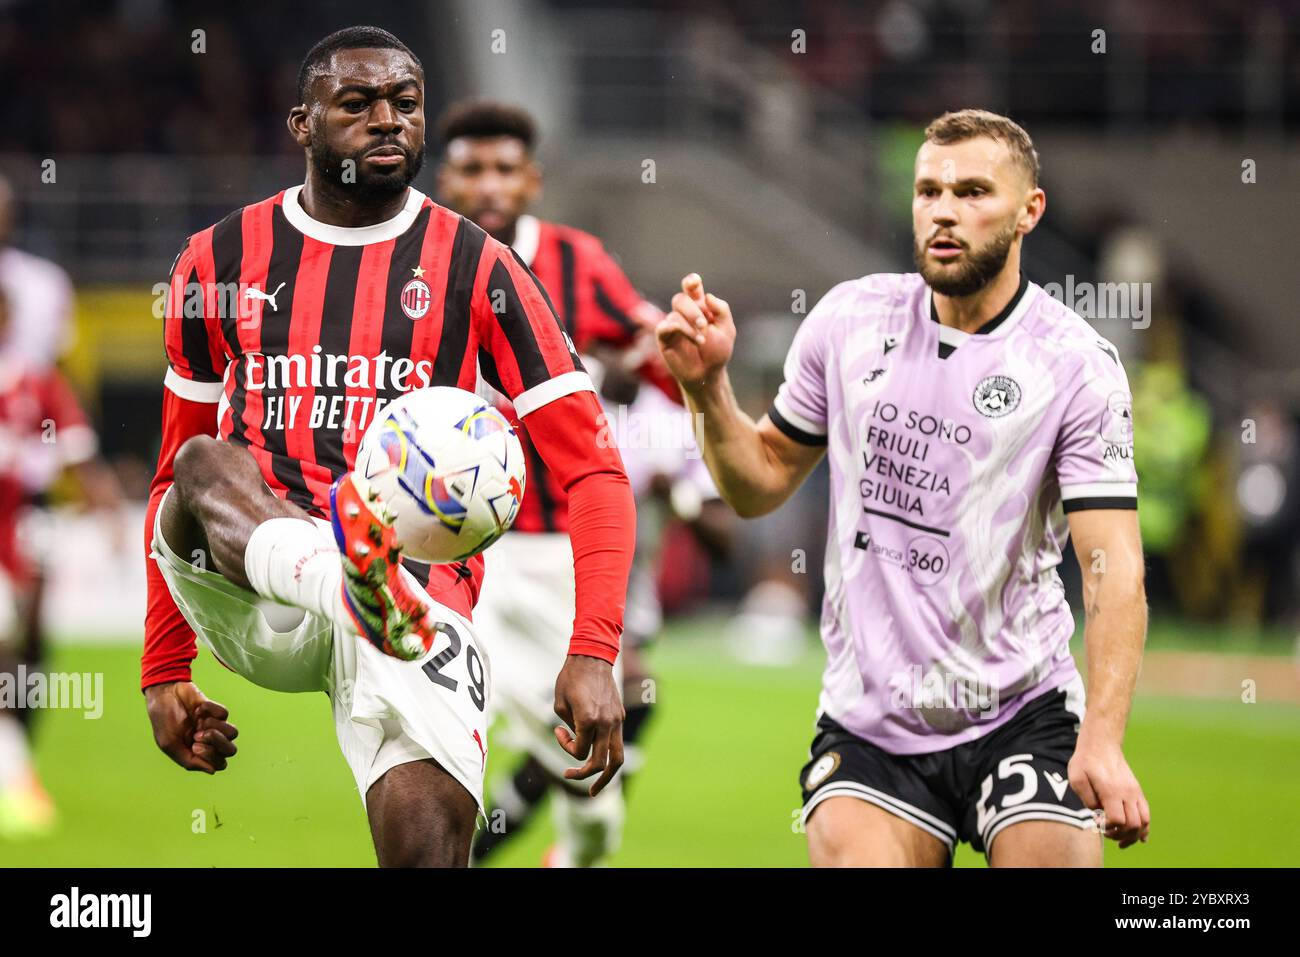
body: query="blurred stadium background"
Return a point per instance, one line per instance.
(782, 136)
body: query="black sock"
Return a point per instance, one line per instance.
(637, 715)
(523, 792)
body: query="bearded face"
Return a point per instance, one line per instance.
(972, 201)
(370, 183)
(951, 267)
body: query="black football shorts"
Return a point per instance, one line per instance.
(966, 793)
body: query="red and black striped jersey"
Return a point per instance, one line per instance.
(590, 293)
(596, 302)
(42, 431)
(301, 331)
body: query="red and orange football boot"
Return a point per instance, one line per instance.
(389, 611)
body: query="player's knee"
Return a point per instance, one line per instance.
(846, 832)
(204, 462)
(1045, 844)
(194, 463)
(827, 847)
(826, 853)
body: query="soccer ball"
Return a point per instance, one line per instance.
(449, 467)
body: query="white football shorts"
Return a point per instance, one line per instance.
(386, 711)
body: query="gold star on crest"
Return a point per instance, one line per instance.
(419, 271)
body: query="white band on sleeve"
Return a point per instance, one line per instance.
(530, 400)
(1099, 490)
(191, 390)
(795, 419)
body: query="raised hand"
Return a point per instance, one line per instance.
(696, 338)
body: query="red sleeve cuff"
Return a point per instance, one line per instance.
(593, 649)
(166, 675)
(602, 517)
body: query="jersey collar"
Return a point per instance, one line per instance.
(528, 236)
(1002, 322)
(351, 235)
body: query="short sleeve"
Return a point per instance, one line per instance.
(1094, 449)
(799, 409)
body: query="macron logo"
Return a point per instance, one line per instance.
(103, 910)
(251, 294)
(1058, 783)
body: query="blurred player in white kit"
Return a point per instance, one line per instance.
(529, 607)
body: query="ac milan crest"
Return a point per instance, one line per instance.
(416, 299)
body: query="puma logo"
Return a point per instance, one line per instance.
(251, 294)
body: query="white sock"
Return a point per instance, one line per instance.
(15, 758)
(297, 563)
(507, 797)
(589, 829)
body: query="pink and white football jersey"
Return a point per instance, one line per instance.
(954, 459)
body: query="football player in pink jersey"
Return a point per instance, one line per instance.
(972, 424)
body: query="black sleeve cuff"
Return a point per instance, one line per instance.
(793, 431)
(1096, 502)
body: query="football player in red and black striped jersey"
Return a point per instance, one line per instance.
(288, 325)
(490, 175)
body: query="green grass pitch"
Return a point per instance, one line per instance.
(719, 788)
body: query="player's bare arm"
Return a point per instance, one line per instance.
(1109, 549)
(755, 465)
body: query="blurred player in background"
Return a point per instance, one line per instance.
(40, 297)
(972, 423)
(43, 431)
(670, 483)
(489, 174)
(37, 331)
(355, 270)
